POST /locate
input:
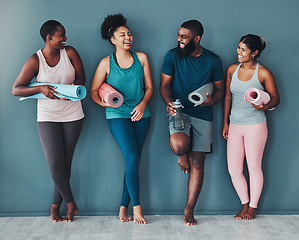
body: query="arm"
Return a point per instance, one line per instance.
(138, 111)
(268, 81)
(227, 101)
(166, 94)
(77, 64)
(99, 78)
(28, 72)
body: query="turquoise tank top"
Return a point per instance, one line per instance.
(242, 112)
(130, 83)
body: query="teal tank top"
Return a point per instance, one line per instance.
(242, 112)
(130, 83)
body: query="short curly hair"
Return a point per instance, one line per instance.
(49, 28)
(111, 24)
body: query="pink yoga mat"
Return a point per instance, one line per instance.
(111, 96)
(256, 96)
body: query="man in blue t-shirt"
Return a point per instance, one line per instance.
(186, 68)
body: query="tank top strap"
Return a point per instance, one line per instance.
(235, 74)
(41, 57)
(256, 70)
(112, 62)
(63, 55)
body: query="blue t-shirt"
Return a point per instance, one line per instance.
(190, 73)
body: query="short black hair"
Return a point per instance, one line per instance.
(194, 26)
(111, 24)
(254, 42)
(49, 28)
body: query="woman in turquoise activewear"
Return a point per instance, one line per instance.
(129, 73)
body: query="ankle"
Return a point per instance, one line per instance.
(55, 205)
(189, 209)
(71, 205)
(137, 209)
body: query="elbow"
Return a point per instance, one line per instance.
(14, 92)
(277, 100)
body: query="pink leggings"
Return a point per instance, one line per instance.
(247, 140)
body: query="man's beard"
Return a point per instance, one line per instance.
(187, 50)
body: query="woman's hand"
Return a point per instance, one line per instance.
(104, 103)
(261, 107)
(225, 131)
(49, 92)
(138, 112)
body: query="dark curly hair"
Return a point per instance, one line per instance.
(111, 24)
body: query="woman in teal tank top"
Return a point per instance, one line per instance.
(129, 73)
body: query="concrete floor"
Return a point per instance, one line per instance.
(220, 227)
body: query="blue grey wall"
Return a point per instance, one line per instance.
(25, 182)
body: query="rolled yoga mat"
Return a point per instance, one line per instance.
(199, 96)
(256, 96)
(72, 92)
(111, 96)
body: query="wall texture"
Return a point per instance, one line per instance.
(25, 182)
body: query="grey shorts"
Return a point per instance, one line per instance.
(200, 132)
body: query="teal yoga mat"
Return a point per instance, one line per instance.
(72, 92)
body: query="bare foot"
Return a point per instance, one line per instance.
(184, 163)
(250, 214)
(55, 215)
(189, 219)
(123, 216)
(138, 216)
(240, 215)
(72, 211)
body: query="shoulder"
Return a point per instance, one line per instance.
(209, 53)
(232, 68)
(33, 62)
(105, 60)
(33, 58)
(71, 51)
(104, 63)
(173, 51)
(171, 55)
(211, 57)
(264, 72)
(142, 57)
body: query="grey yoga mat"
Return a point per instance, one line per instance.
(199, 96)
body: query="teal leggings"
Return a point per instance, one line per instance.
(130, 137)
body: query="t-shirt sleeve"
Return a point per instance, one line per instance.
(168, 65)
(217, 70)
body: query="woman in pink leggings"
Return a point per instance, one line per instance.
(245, 126)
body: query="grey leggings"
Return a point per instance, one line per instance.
(59, 140)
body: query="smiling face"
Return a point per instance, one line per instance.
(122, 38)
(186, 43)
(58, 39)
(244, 53)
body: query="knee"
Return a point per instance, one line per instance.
(235, 172)
(179, 147)
(255, 170)
(132, 161)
